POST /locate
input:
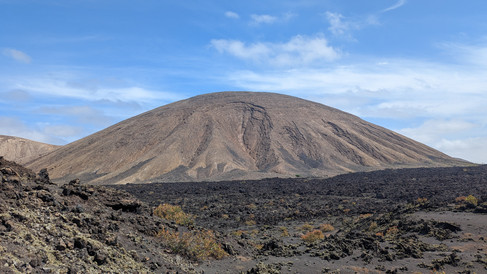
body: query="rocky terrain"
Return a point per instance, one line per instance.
(22, 150)
(236, 135)
(410, 220)
(76, 228)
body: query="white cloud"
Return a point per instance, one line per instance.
(471, 54)
(401, 88)
(63, 86)
(397, 5)
(258, 19)
(337, 26)
(17, 55)
(298, 51)
(231, 14)
(240, 50)
(343, 27)
(453, 137)
(471, 149)
(288, 16)
(433, 130)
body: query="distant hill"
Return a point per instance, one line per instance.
(236, 135)
(22, 150)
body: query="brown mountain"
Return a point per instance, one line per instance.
(22, 150)
(236, 135)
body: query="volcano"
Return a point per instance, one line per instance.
(22, 150)
(236, 135)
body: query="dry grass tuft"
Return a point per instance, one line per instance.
(175, 214)
(313, 236)
(326, 227)
(196, 245)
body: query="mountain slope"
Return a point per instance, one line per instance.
(22, 150)
(234, 135)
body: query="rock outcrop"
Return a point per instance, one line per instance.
(45, 228)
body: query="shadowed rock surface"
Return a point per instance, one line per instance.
(22, 150)
(236, 135)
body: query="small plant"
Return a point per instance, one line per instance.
(471, 201)
(284, 231)
(365, 216)
(257, 246)
(196, 245)
(306, 227)
(421, 201)
(254, 232)
(392, 230)
(460, 199)
(252, 206)
(238, 233)
(326, 227)
(250, 222)
(175, 214)
(373, 226)
(313, 236)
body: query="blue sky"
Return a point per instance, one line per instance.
(71, 68)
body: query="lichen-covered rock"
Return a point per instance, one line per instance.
(75, 228)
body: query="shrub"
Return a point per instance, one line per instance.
(471, 201)
(175, 214)
(250, 222)
(251, 206)
(238, 233)
(313, 236)
(326, 227)
(421, 201)
(306, 227)
(392, 230)
(284, 231)
(460, 199)
(365, 216)
(196, 245)
(373, 226)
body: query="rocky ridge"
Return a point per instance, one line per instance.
(22, 150)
